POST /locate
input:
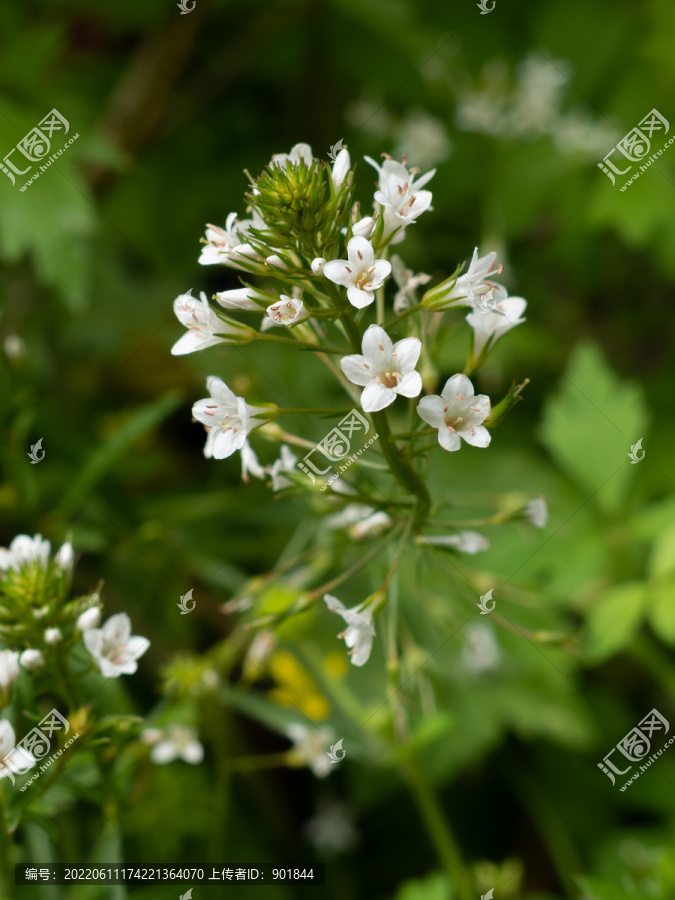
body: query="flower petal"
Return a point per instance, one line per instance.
(449, 440)
(481, 437)
(407, 353)
(410, 385)
(374, 338)
(359, 298)
(339, 271)
(457, 386)
(430, 409)
(357, 368)
(376, 397)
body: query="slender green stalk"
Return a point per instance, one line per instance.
(404, 315)
(6, 873)
(402, 470)
(303, 345)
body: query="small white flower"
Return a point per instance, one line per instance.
(480, 652)
(467, 541)
(536, 512)
(276, 261)
(359, 633)
(384, 368)
(359, 520)
(9, 670)
(31, 659)
(65, 558)
(407, 283)
(226, 246)
(361, 274)
(391, 167)
(341, 167)
(402, 206)
(318, 264)
(228, 419)
(477, 281)
(423, 138)
(12, 758)
(41, 612)
(298, 152)
(242, 298)
(457, 413)
(25, 550)
(331, 830)
(364, 227)
(310, 745)
(287, 311)
(204, 327)
(151, 736)
(114, 648)
(488, 327)
(52, 636)
(250, 463)
(285, 463)
(90, 618)
(179, 743)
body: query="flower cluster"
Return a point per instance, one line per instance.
(323, 269)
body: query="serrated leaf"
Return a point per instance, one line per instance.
(590, 425)
(614, 619)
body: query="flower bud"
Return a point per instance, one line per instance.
(31, 659)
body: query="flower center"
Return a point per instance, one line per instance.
(390, 379)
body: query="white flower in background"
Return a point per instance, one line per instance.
(385, 369)
(226, 245)
(151, 736)
(423, 138)
(467, 541)
(52, 636)
(250, 463)
(331, 830)
(488, 327)
(298, 152)
(178, 742)
(12, 758)
(481, 112)
(90, 618)
(340, 169)
(536, 512)
(359, 633)
(31, 659)
(457, 413)
(578, 132)
(114, 648)
(407, 283)
(318, 264)
(41, 612)
(359, 520)
(204, 327)
(285, 463)
(310, 746)
(228, 419)
(24, 550)
(9, 670)
(480, 652)
(246, 298)
(287, 311)
(14, 347)
(536, 100)
(65, 558)
(361, 274)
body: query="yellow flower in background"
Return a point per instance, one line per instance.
(296, 687)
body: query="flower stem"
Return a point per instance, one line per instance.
(438, 829)
(6, 873)
(403, 315)
(303, 345)
(404, 472)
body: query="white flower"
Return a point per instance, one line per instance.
(488, 327)
(407, 283)
(359, 520)
(226, 246)
(391, 167)
(88, 619)
(204, 327)
(178, 743)
(227, 418)
(250, 463)
(310, 746)
(467, 541)
(9, 670)
(318, 264)
(401, 205)
(285, 463)
(298, 152)
(52, 636)
(361, 274)
(114, 648)
(364, 227)
(65, 557)
(457, 413)
(151, 736)
(423, 138)
(384, 368)
(476, 282)
(25, 550)
(331, 830)
(536, 512)
(12, 758)
(242, 298)
(288, 311)
(31, 659)
(480, 652)
(341, 167)
(359, 633)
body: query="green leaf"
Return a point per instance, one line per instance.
(660, 609)
(662, 558)
(590, 425)
(615, 618)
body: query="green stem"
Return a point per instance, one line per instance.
(403, 315)
(303, 345)
(6, 873)
(438, 829)
(278, 410)
(404, 472)
(405, 435)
